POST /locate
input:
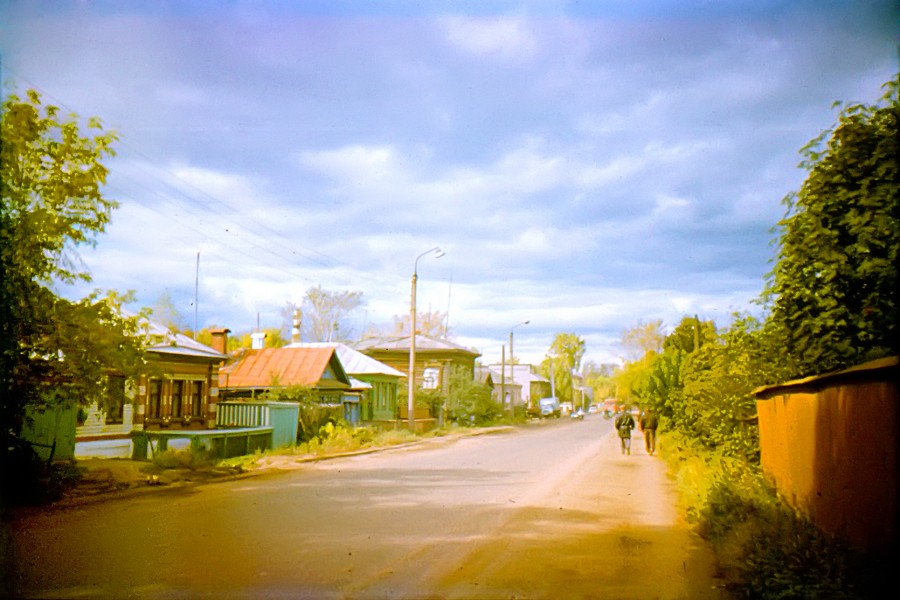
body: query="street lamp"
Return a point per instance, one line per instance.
(412, 336)
(512, 367)
(511, 355)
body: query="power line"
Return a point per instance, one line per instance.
(260, 231)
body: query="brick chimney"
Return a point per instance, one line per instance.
(220, 339)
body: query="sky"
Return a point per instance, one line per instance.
(584, 166)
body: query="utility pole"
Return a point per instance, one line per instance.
(503, 377)
(196, 292)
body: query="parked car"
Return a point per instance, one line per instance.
(550, 407)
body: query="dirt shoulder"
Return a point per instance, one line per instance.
(108, 478)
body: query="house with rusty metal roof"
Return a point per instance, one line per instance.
(254, 371)
(375, 383)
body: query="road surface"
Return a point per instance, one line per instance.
(548, 511)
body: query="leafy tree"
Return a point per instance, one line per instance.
(53, 350)
(833, 291)
(273, 339)
(642, 339)
(430, 324)
(641, 344)
(324, 314)
(600, 379)
(165, 313)
(470, 398)
(690, 334)
(563, 357)
(718, 406)
(313, 414)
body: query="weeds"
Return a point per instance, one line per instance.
(188, 458)
(763, 547)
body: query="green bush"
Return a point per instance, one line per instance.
(763, 547)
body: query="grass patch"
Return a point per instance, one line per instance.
(183, 459)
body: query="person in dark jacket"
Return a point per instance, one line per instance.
(624, 424)
(648, 424)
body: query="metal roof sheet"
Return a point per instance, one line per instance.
(423, 344)
(354, 361)
(270, 367)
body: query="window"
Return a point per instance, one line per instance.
(196, 398)
(431, 378)
(177, 398)
(154, 399)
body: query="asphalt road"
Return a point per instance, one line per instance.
(550, 511)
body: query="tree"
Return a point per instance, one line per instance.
(563, 357)
(642, 339)
(642, 344)
(716, 405)
(600, 379)
(690, 335)
(430, 324)
(470, 401)
(833, 291)
(273, 339)
(53, 350)
(324, 313)
(165, 313)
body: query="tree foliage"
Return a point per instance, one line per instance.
(642, 339)
(164, 312)
(54, 350)
(324, 314)
(313, 415)
(599, 377)
(704, 391)
(563, 357)
(429, 323)
(468, 398)
(834, 288)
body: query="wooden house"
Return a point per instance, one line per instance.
(252, 372)
(435, 358)
(179, 390)
(375, 383)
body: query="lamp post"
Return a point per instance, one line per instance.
(511, 355)
(411, 392)
(512, 362)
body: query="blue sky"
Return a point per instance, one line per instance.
(585, 166)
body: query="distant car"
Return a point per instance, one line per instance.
(550, 407)
(578, 415)
(593, 408)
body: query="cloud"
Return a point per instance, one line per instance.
(584, 165)
(505, 39)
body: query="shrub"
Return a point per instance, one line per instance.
(763, 547)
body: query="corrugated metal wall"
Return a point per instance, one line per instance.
(829, 445)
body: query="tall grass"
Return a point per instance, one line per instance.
(764, 548)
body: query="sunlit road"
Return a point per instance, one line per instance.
(549, 511)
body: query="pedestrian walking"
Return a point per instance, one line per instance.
(624, 424)
(648, 424)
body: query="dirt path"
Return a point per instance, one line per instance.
(609, 531)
